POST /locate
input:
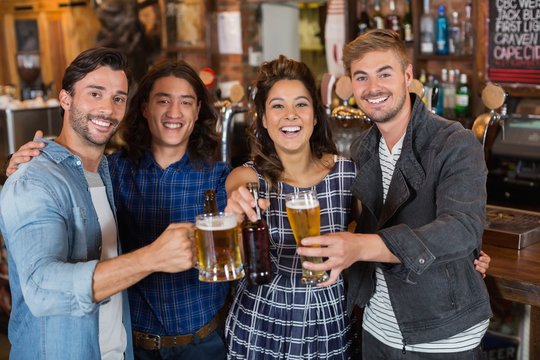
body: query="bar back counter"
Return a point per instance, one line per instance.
(17, 126)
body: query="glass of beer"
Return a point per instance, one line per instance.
(304, 215)
(218, 253)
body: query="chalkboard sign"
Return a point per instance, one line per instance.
(514, 41)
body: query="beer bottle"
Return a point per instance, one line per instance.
(377, 18)
(363, 18)
(256, 241)
(463, 95)
(210, 203)
(442, 32)
(393, 21)
(407, 23)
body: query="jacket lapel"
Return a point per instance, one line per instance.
(367, 186)
(408, 177)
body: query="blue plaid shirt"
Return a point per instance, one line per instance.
(148, 199)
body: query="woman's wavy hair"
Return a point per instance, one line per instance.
(263, 151)
(203, 144)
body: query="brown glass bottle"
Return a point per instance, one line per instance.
(256, 241)
(210, 203)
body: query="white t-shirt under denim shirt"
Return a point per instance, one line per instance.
(379, 317)
(112, 334)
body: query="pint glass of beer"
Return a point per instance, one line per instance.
(218, 253)
(304, 216)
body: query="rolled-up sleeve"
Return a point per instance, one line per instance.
(50, 258)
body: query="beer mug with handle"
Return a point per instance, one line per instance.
(218, 252)
(304, 215)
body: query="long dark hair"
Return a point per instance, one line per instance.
(88, 61)
(263, 151)
(203, 144)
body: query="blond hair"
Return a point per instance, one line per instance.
(375, 40)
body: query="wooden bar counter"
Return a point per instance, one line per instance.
(515, 275)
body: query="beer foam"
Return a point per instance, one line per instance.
(216, 223)
(302, 204)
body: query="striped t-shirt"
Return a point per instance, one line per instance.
(379, 317)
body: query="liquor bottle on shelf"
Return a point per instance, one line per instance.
(463, 95)
(407, 23)
(423, 79)
(457, 73)
(377, 18)
(427, 30)
(442, 32)
(363, 18)
(437, 97)
(393, 21)
(455, 44)
(449, 91)
(210, 204)
(428, 89)
(256, 241)
(467, 33)
(442, 95)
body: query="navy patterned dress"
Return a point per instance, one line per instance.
(287, 319)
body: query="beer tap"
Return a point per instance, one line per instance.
(346, 121)
(417, 88)
(228, 109)
(327, 84)
(493, 97)
(345, 114)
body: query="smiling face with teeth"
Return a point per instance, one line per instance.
(289, 116)
(171, 112)
(380, 86)
(96, 106)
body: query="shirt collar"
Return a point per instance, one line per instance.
(58, 154)
(55, 151)
(148, 161)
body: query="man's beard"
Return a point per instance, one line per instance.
(79, 123)
(389, 114)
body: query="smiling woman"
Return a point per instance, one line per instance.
(292, 151)
(289, 117)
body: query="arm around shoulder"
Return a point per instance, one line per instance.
(239, 176)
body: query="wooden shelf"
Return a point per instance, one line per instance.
(184, 49)
(434, 57)
(521, 90)
(433, 63)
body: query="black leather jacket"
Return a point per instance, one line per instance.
(432, 220)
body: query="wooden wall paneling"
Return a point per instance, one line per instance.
(64, 31)
(4, 75)
(80, 27)
(55, 51)
(44, 48)
(482, 23)
(11, 51)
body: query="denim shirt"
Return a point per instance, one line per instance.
(53, 238)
